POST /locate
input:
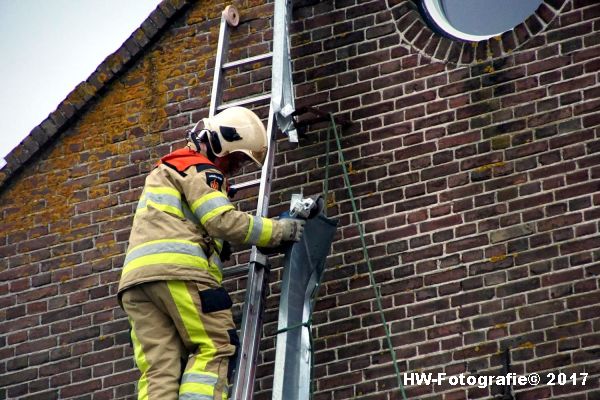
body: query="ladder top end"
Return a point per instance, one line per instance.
(231, 15)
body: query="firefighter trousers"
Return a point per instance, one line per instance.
(184, 339)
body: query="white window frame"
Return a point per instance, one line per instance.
(434, 9)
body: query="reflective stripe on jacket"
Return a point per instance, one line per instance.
(183, 208)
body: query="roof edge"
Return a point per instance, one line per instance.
(112, 66)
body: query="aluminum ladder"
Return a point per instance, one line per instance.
(280, 115)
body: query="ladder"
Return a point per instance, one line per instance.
(281, 111)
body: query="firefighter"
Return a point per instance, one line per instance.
(182, 330)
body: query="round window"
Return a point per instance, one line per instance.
(476, 20)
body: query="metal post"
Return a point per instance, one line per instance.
(303, 267)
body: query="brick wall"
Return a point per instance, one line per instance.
(476, 170)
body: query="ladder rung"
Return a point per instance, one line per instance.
(248, 60)
(245, 185)
(235, 271)
(245, 101)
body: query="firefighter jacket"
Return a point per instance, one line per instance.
(182, 220)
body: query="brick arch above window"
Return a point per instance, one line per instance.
(416, 33)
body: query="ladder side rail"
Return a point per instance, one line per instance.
(282, 98)
(251, 328)
(264, 192)
(243, 385)
(288, 85)
(216, 95)
(278, 55)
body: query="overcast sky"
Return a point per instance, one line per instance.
(47, 47)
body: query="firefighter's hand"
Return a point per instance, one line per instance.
(292, 229)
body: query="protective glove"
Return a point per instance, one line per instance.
(292, 229)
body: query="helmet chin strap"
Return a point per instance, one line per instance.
(193, 136)
(201, 137)
(209, 152)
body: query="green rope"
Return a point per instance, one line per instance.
(342, 161)
(326, 182)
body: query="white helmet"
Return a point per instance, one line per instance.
(237, 129)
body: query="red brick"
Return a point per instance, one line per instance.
(583, 300)
(81, 388)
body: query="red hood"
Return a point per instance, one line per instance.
(184, 158)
